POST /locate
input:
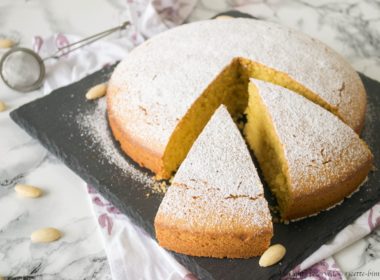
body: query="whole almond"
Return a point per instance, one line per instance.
(3, 107)
(96, 92)
(45, 235)
(272, 255)
(6, 43)
(28, 190)
(223, 17)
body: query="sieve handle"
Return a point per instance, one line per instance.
(86, 41)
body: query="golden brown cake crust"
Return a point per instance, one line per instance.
(136, 150)
(330, 195)
(217, 244)
(213, 226)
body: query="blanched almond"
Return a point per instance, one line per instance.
(96, 92)
(6, 43)
(272, 255)
(45, 235)
(224, 17)
(3, 107)
(28, 190)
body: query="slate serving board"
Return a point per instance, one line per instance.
(52, 120)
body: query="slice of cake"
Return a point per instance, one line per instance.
(310, 159)
(215, 206)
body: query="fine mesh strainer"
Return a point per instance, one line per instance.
(23, 69)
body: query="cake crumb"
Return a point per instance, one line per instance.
(160, 187)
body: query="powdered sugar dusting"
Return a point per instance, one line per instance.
(155, 85)
(217, 185)
(94, 124)
(320, 149)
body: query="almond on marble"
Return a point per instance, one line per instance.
(223, 17)
(45, 235)
(28, 190)
(3, 107)
(6, 43)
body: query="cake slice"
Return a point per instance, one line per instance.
(215, 206)
(310, 159)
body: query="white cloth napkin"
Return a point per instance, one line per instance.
(132, 254)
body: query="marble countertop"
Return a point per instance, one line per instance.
(351, 27)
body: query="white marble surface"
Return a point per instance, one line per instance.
(350, 27)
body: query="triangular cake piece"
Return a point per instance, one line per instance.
(215, 206)
(310, 159)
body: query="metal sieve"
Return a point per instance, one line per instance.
(23, 69)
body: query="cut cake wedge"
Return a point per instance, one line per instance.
(310, 158)
(215, 206)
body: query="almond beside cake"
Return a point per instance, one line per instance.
(215, 206)
(310, 159)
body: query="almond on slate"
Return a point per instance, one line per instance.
(272, 255)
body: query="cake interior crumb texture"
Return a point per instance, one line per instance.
(229, 88)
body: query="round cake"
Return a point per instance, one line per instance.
(162, 94)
